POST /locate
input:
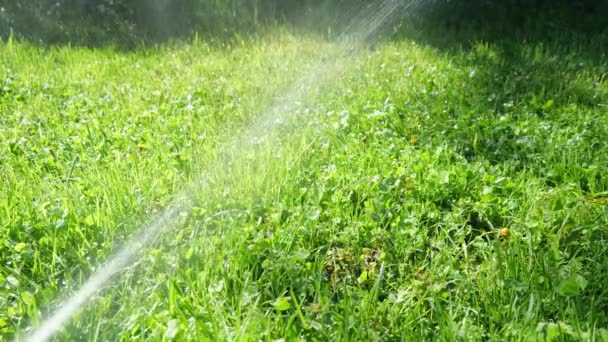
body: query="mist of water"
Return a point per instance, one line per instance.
(360, 28)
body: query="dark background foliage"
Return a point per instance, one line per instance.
(94, 22)
(90, 21)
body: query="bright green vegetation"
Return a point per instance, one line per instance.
(426, 192)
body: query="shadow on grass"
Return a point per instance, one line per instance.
(534, 92)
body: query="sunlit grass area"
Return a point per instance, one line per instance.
(424, 192)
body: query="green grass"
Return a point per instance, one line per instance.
(374, 213)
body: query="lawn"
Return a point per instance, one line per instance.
(410, 189)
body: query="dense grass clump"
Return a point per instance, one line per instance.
(429, 191)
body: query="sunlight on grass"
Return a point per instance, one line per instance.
(425, 193)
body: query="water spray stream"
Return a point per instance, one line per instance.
(360, 28)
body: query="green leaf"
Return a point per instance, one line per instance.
(572, 286)
(282, 304)
(189, 253)
(302, 253)
(28, 298)
(216, 287)
(20, 247)
(363, 277)
(89, 221)
(12, 281)
(172, 329)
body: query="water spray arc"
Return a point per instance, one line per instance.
(360, 28)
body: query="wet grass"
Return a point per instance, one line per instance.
(425, 193)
